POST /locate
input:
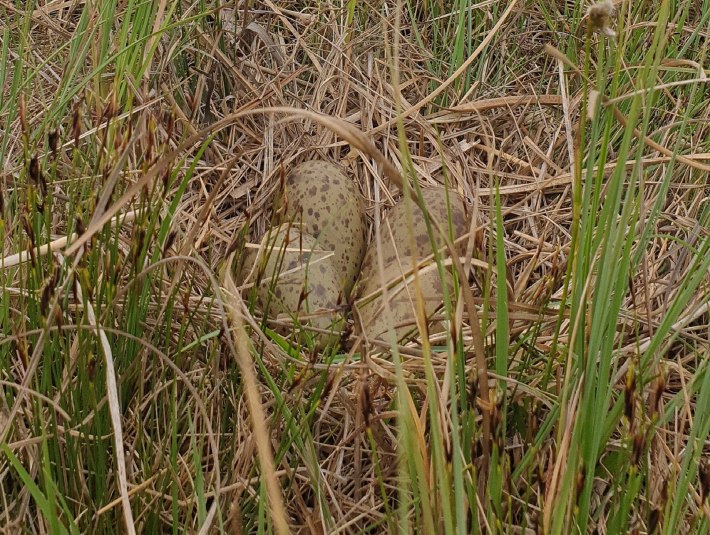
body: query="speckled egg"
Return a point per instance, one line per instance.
(376, 319)
(395, 234)
(298, 282)
(326, 203)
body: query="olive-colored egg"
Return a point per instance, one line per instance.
(398, 249)
(395, 234)
(298, 281)
(326, 203)
(376, 319)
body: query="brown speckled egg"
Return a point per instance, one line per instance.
(328, 206)
(298, 281)
(395, 233)
(401, 299)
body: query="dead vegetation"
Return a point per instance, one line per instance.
(508, 114)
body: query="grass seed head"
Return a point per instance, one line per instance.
(53, 142)
(600, 15)
(704, 478)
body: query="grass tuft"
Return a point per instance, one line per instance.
(141, 145)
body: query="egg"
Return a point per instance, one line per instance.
(442, 206)
(401, 243)
(298, 283)
(326, 204)
(378, 312)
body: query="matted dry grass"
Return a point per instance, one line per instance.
(520, 135)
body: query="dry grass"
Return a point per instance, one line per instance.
(331, 421)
